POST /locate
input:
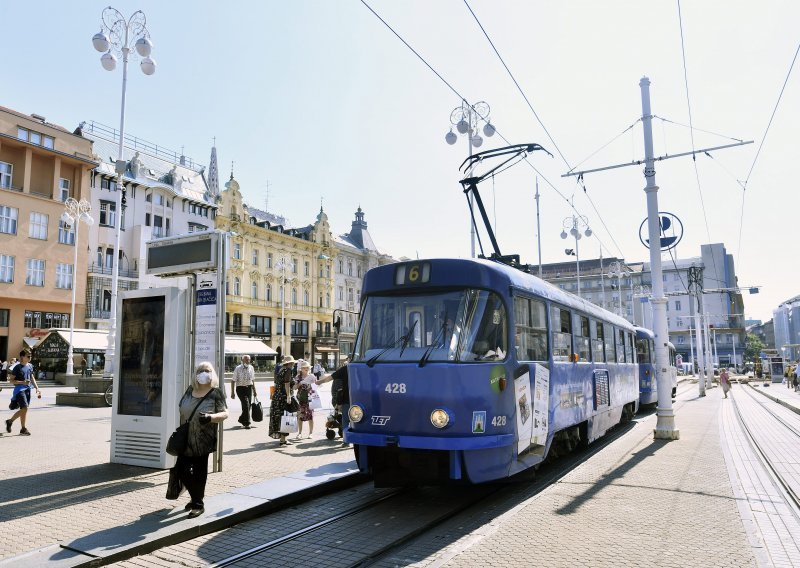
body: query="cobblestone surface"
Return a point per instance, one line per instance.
(57, 485)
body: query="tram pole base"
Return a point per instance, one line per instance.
(665, 426)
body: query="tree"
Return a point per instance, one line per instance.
(752, 347)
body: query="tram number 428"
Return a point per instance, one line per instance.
(396, 388)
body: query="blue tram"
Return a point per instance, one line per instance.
(646, 357)
(473, 370)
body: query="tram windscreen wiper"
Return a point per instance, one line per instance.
(434, 343)
(407, 338)
(404, 340)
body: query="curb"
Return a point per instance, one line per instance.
(777, 399)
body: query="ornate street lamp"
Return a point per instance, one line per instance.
(120, 36)
(74, 212)
(575, 224)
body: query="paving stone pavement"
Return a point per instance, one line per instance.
(57, 484)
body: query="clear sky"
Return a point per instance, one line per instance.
(320, 100)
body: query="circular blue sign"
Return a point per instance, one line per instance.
(671, 231)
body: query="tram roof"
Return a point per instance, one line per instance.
(482, 273)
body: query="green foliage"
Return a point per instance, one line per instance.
(752, 347)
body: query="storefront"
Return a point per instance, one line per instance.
(262, 356)
(88, 352)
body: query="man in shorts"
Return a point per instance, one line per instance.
(21, 377)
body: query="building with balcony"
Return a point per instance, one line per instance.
(630, 296)
(166, 195)
(279, 282)
(356, 253)
(41, 165)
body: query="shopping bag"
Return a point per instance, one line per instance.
(314, 402)
(288, 423)
(256, 412)
(174, 485)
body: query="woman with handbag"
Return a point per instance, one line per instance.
(203, 407)
(281, 399)
(305, 382)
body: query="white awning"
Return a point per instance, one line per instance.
(235, 345)
(31, 341)
(86, 340)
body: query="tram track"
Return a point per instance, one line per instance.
(789, 492)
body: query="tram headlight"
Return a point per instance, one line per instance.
(440, 418)
(356, 413)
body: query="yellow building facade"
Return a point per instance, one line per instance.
(41, 165)
(269, 261)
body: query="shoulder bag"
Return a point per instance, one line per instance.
(179, 439)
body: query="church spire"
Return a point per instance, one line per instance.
(213, 172)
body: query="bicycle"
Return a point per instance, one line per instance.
(109, 395)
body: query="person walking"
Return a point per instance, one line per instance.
(725, 382)
(22, 376)
(243, 385)
(4, 372)
(305, 382)
(207, 402)
(318, 370)
(280, 399)
(340, 395)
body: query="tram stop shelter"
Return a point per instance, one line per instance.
(236, 346)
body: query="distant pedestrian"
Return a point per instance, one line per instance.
(725, 382)
(192, 465)
(22, 377)
(280, 399)
(305, 382)
(318, 370)
(243, 384)
(4, 371)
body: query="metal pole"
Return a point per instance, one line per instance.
(109, 367)
(70, 363)
(471, 195)
(735, 363)
(701, 380)
(577, 253)
(665, 421)
(691, 346)
(714, 346)
(602, 284)
(283, 308)
(538, 227)
(709, 354)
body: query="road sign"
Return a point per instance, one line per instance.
(671, 231)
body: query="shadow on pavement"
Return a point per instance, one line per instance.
(44, 492)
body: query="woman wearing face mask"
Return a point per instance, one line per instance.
(192, 466)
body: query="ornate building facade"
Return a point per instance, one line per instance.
(279, 281)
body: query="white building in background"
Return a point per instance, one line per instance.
(355, 254)
(630, 296)
(167, 195)
(786, 318)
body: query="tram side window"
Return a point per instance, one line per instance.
(598, 343)
(620, 346)
(562, 333)
(611, 353)
(582, 338)
(643, 351)
(629, 347)
(530, 330)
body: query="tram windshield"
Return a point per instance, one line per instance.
(458, 326)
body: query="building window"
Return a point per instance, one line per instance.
(6, 174)
(4, 314)
(294, 266)
(681, 339)
(6, 268)
(359, 271)
(109, 184)
(341, 293)
(294, 296)
(38, 226)
(299, 328)
(66, 233)
(307, 267)
(305, 297)
(237, 286)
(664, 277)
(35, 137)
(158, 226)
(63, 186)
(109, 258)
(254, 257)
(261, 324)
(678, 305)
(269, 260)
(64, 276)
(327, 300)
(320, 299)
(108, 213)
(349, 294)
(268, 292)
(349, 267)
(327, 271)
(341, 266)
(254, 290)
(320, 271)
(195, 227)
(237, 251)
(35, 274)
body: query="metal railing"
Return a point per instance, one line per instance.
(106, 271)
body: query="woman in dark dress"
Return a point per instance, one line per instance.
(283, 393)
(192, 465)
